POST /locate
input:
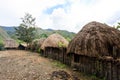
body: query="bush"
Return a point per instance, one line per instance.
(39, 50)
(59, 64)
(1, 46)
(60, 44)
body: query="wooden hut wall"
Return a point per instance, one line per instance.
(102, 68)
(84, 64)
(45, 53)
(57, 54)
(66, 58)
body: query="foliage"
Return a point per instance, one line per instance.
(93, 77)
(26, 30)
(3, 34)
(118, 26)
(43, 35)
(39, 50)
(59, 64)
(19, 41)
(66, 34)
(68, 39)
(1, 46)
(60, 44)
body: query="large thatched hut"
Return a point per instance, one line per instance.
(55, 47)
(96, 50)
(10, 44)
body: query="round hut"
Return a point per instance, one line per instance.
(95, 49)
(10, 44)
(55, 47)
(36, 44)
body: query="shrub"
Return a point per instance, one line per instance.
(1, 46)
(60, 44)
(59, 64)
(39, 50)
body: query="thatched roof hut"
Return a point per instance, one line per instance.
(36, 43)
(55, 40)
(40, 42)
(96, 39)
(22, 46)
(10, 43)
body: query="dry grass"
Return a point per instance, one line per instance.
(54, 40)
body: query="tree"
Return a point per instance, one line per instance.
(43, 35)
(26, 30)
(118, 26)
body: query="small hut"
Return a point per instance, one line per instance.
(96, 50)
(55, 47)
(36, 44)
(22, 46)
(10, 44)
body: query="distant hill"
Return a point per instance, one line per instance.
(3, 35)
(8, 29)
(42, 32)
(46, 32)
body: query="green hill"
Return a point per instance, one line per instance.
(3, 35)
(41, 33)
(46, 32)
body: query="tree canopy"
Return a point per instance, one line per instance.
(118, 26)
(26, 30)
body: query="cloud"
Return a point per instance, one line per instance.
(17, 8)
(83, 11)
(69, 15)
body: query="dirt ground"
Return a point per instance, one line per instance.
(25, 65)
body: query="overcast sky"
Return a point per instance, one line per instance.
(69, 15)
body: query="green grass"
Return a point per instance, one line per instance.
(1, 40)
(59, 64)
(93, 77)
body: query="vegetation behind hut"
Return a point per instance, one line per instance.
(41, 33)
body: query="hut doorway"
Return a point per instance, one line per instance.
(76, 58)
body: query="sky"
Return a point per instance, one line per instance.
(69, 15)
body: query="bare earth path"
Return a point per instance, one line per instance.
(24, 65)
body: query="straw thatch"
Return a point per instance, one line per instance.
(36, 43)
(96, 39)
(40, 42)
(10, 43)
(55, 40)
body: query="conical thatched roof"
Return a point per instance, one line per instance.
(10, 43)
(40, 41)
(55, 40)
(37, 43)
(95, 39)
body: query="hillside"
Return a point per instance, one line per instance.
(46, 32)
(3, 35)
(42, 32)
